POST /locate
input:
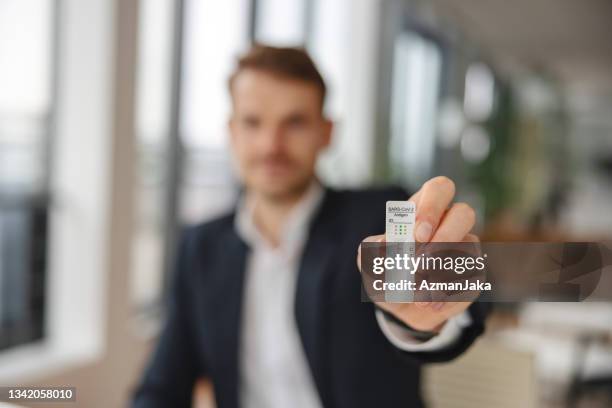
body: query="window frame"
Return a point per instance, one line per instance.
(39, 205)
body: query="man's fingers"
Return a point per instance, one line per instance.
(471, 238)
(373, 238)
(415, 197)
(433, 200)
(456, 224)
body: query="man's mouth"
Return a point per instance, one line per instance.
(276, 165)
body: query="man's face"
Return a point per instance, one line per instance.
(277, 131)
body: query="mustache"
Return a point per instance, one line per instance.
(275, 159)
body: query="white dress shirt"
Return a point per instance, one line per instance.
(274, 371)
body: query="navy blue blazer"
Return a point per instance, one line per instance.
(352, 362)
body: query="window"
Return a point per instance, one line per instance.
(282, 22)
(215, 34)
(186, 52)
(26, 44)
(330, 45)
(153, 131)
(417, 66)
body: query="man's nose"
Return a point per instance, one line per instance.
(273, 140)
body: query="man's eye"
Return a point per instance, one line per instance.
(296, 121)
(250, 122)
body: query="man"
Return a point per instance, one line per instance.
(267, 300)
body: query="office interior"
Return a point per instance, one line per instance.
(113, 134)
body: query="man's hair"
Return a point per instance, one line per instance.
(285, 62)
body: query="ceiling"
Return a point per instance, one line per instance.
(571, 39)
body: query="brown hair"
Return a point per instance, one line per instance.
(287, 62)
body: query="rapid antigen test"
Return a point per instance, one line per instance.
(400, 217)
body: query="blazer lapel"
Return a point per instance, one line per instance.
(311, 295)
(230, 275)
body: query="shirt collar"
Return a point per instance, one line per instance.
(294, 230)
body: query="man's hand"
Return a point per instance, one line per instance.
(438, 219)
